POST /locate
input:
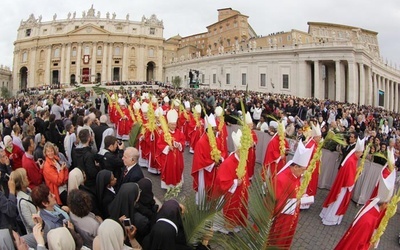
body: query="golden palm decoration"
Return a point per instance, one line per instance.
(362, 163)
(246, 142)
(165, 129)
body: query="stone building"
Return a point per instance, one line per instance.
(87, 49)
(5, 77)
(332, 61)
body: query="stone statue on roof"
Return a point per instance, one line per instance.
(90, 12)
(54, 16)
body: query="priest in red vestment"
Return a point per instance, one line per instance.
(145, 138)
(165, 107)
(273, 161)
(251, 159)
(204, 168)
(154, 166)
(234, 190)
(338, 199)
(359, 234)
(287, 207)
(313, 143)
(198, 128)
(171, 156)
(222, 139)
(124, 121)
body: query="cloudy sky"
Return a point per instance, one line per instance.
(192, 16)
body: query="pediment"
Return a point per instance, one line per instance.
(89, 29)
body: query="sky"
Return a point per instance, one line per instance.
(187, 17)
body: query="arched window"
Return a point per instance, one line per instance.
(151, 52)
(117, 51)
(87, 50)
(74, 52)
(41, 56)
(99, 50)
(24, 56)
(132, 52)
(57, 52)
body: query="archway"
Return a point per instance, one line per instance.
(98, 77)
(150, 71)
(72, 80)
(23, 76)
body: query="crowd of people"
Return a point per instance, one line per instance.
(72, 175)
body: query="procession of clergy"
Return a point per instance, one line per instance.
(168, 126)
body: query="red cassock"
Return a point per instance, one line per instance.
(344, 180)
(165, 109)
(222, 139)
(234, 209)
(111, 112)
(171, 163)
(154, 149)
(124, 125)
(251, 158)
(145, 143)
(313, 185)
(196, 133)
(273, 161)
(201, 160)
(187, 128)
(284, 225)
(181, 121)
(358, 236)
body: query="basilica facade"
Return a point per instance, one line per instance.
(90, 48)
(328, 61)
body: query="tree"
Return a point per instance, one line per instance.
(5, 92)
(176, 82)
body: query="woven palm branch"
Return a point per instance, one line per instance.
(134, 134)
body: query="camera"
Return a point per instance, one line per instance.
(127, 222)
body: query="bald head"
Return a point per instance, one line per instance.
(131, 156)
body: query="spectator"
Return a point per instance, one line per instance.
(8, 208)
(55, 173)
(146, 205)
(132, 171)
(13, 152)
(105, 183)
(110, 158)
(34, 169)
(25, 206)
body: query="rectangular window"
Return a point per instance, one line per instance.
(55, 64)
(152, 31)
(285, 81)
(28, 32)
(289, 38)
(76, 27)
(73, 63)
(228, 78)
(202, 78)
(98, 62)
(116, 62)
(214, 78)
(262, 80)
(102, 26)
(244, 79)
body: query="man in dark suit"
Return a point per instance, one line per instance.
(351, 144)
(132, 171)
(98, 102)
(98, 130)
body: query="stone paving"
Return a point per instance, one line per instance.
(311, 233)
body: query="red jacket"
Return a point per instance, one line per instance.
(16, 156)
(53, 178)
(35, 174)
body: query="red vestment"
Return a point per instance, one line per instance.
(284, 225)
(358, 236)
(222, 141)
(145, 143)
(313, 185)
(385, 173)
(338, 199)
(171, 161)
(196, 133)
(186, 126)
(154, 166)
(201, 160)
(124, 124)
(234, 209)
(273, 161)
(251, 158)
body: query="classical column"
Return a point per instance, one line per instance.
(104, 63)
(391, 95)
(352, 86)
(317, 80)
(362, 84)
(67, 77)
(78, 76)
(62, 64)
(125, 63)
(32, 68)
(47, 73)
(396, 97)
(110, 59)
(338, 79)
(369, 83)
(94, 59)
(387, 93)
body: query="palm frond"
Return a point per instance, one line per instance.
(134, 134)
(337, 138)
